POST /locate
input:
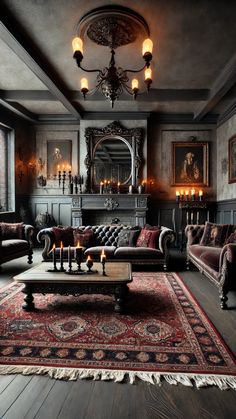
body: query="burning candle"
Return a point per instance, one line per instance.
(69, 258)
(193, 194)
(54, 257)
(182, 194)
(177, 195)
(103, 256)
(101, 187)
(78, 254)
(186, 195)
(103, 261)
(200, 195)
(118, 187)
(61, 256)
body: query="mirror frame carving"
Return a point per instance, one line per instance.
(132, 138)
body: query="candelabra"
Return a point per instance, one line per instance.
(80, 181)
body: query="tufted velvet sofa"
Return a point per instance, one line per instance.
(15, 241)
(218, 263)
(107, 237)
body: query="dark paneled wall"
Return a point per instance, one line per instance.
(226, 212)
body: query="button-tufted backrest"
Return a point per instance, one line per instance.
(105, 235)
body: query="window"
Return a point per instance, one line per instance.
(7, 170)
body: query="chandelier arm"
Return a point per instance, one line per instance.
(88, 70)
(135, 71)
(128, 89)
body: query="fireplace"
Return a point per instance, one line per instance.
(94, 209)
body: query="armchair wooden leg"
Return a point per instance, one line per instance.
(223, 301)
(30, 258)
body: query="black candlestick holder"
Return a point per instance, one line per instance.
(59, 178)
(103, 262)
(63, 181)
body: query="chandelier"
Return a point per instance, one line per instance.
(113, 27)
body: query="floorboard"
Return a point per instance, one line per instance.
(39, 397)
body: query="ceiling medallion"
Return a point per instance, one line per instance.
(113, 27)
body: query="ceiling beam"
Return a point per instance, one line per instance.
(223, 83)
(19, 110)
(159, 95)
(19, 42)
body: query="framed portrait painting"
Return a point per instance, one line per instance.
(58, 154)
(232, 160)
(190, 163)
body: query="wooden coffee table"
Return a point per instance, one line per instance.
(39, 280)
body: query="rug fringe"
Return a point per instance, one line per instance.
(223, 382)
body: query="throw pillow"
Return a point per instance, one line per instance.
(214, 234)
(148, 238)
(10, 231)
(64, 235)
(128, 237)
(84, 237)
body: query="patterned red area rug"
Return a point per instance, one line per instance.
(164, 335)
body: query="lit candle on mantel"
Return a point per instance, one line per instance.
(177, 195)
(101, 187)
(193, 194)
(186, 195)
(182, 194)
(200, 193)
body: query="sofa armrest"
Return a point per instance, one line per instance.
(229, 252)
(167, 236)
(194, 233)
(29, 232)
(47, 237)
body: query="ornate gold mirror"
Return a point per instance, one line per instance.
(113, 154)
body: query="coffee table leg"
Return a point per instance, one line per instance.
(29, 304)
(120, 293)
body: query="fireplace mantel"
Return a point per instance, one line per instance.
(132, 207)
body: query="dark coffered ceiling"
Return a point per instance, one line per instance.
(194, 60)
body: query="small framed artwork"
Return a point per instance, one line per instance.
(59, 155)
(190, 163)
(232, 160)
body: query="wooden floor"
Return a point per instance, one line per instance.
(44, 398)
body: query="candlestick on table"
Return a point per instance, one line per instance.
(69, 259)
(61, 257)
(78, 256)
(54, 257)
(103, 261)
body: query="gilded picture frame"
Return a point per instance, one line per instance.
(232, 159)
(190, 163)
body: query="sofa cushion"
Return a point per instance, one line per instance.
(215, 234)
(13, 246)
(206, 254)
(231, 238)
(95, 252)
(10, 231)
(128, 237)
(64, 235)
(138, 253)
(84, 237)
(148, 237)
